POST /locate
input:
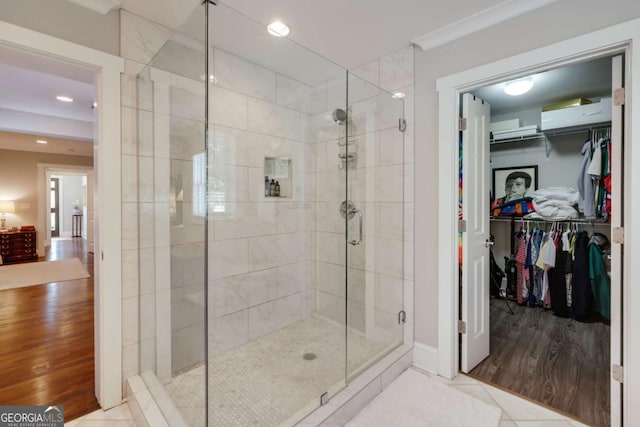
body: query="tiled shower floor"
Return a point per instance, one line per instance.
(268, 382)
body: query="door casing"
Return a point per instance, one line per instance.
(108, 266)
(616, 39)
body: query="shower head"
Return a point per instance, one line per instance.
(339, 116)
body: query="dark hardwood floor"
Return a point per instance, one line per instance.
(560, 363)
(46, 340)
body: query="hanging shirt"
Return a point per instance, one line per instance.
(600, 282)
(586, 204)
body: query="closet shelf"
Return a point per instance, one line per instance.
(554, 132)
(582, 221)
(545, 135)
(517, 138)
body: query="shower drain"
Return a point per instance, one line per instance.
(309, 356)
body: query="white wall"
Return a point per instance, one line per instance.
(542, 27)
(65, 20)
(71, 190)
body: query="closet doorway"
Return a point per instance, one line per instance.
(541, 185)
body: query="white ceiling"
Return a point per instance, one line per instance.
(582, 80)
(350, 33)
(29, 85)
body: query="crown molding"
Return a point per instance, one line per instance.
(478, 21)
(100, 6)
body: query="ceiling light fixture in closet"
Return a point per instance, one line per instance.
(519, 87)
(278, 29)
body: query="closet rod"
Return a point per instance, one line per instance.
(576, 130)
(550, 221)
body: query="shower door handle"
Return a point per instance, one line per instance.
(361, 225)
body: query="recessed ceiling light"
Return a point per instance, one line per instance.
(64, 98)
(518, 87)
(94, 105)
(278, 29)
(398, 95)
(42, 141)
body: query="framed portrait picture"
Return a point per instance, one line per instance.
(514, 182)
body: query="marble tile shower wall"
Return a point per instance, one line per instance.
(380, 276)
(261, 249)
(261, 252)
(264, 252)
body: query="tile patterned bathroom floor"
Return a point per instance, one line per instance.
(266, 381)
(516, 412)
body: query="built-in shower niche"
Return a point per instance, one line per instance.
(278, 177)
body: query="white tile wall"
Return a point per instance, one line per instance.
(276, 250)
(228, 258)
(256, 113)
(396, 69)
(293, 94)
(228, 108)
(228, 332)
(274, 315)
(242, 219)
(140, 38)
(186, 138)
(242, 76)
(243, 291)
(272, 119)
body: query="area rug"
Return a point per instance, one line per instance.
(414, 399)
(36, 273)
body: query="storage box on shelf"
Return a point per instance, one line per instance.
(581, 115)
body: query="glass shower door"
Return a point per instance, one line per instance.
(276, 314)
(373, 158)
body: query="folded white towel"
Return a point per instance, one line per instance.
(553, 212)
(557, 193)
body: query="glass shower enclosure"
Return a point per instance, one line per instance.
(270, 185)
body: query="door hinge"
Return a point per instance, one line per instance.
(324, 398)
(462, 123)
(617, 235)
(402, 125)
(618, 96)
(462, 327)
(402, 317)
(462, 225)
(617, 372)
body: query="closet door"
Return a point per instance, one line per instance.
(617, 221)
(475, 241)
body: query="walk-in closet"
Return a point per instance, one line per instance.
(551, 167)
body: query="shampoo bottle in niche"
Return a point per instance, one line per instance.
(266, 186)
(277, 189)
(272, 188)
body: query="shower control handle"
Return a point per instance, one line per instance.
(361, 225)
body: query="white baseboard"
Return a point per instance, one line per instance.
(425, 357)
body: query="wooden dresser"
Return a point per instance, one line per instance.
(19, 246)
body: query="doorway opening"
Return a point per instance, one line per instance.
(537, 271)
(48, 153)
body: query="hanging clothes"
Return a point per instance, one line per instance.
(586, 204)
(568, 267)
(581, 295)
(558, 281)
(600, 282)
(604, 202)
(521, 258)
